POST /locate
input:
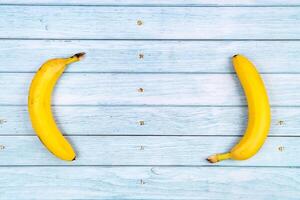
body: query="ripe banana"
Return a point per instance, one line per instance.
(39, 106)
(259, 118)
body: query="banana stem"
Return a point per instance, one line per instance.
(75, 58)
(218, 157)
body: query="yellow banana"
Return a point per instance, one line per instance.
(259, 118)
(39, 106)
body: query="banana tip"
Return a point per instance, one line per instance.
(235, 55)
(79, 55)
(212, 159)
(74, 158)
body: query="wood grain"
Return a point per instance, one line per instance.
(132, 120)
(151, 56)
(148, 183)
(65, 22)
(147, 150)
(158, 89)
(154, 97)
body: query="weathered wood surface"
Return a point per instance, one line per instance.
(149, 120)
(88, 22)
(157, 89)
(149, 183)
(147, 150)
(157, 2)
(149, 143)
(151, 56)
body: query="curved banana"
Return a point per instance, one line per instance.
(258, 110)
(39, 105)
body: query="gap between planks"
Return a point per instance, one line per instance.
(148, 166)
(149, 5)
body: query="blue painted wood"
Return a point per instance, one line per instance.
(148, 183)
(148, 120)
(158, 2)
(65, 22)
(182, 96)
(147, 150)
(158, 89)
(151, 56)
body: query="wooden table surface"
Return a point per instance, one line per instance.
(155, 95)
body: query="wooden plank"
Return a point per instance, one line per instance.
(157, 2)
(147, 150)
(77, 22)
(151, 56)
(148, 183)
(158, 89)
(78, 120)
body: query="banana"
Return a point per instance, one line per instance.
(259, 112)
(39, 106)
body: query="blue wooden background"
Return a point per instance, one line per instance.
(150, 143)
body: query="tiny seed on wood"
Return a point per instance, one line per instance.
(2, 147)
(280, 122)
(139, 22)
(2, 121)
(141, 122)
(281, 148)
(142, 148)
(141, 56)
(141, 90)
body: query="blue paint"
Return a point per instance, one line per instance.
(90, 22)
(155, 2)
(158, 120)
(159, 89)
(150, 144)
(149, 183)
(147, 150)
(158, 56)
